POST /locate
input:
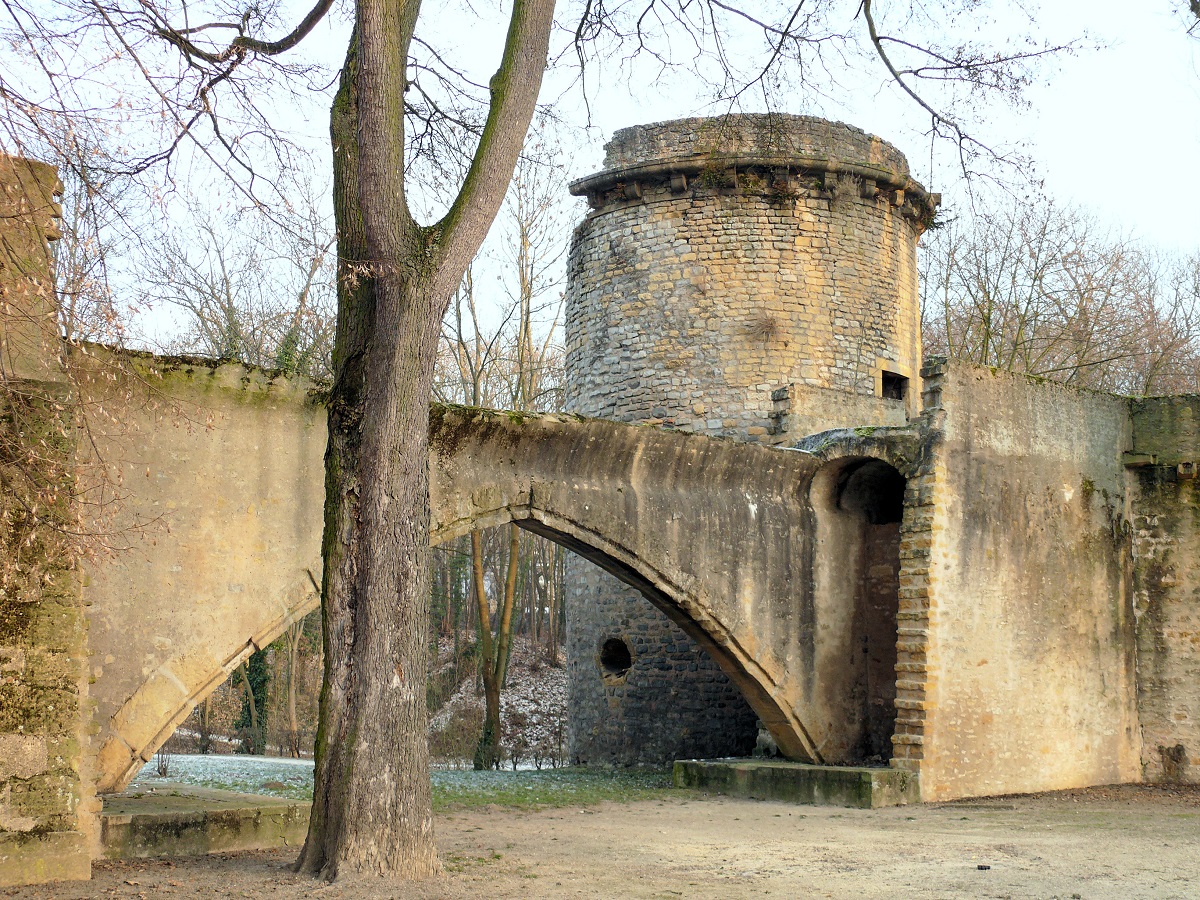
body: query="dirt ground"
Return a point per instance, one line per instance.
(1120, 842)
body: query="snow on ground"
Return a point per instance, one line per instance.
(292, 779)
(533, 705)
(275, 776)
(533, 709)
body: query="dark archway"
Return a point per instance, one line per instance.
(858, 505)
(614, 661)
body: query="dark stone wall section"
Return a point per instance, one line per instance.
(674, 702)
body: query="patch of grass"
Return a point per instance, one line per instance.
(572, 786)
(453, 789)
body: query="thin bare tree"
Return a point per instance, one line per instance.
(516, 365)
(249, 288)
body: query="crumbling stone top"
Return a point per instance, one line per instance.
(772, 147)
(30, 192)
(763, 135)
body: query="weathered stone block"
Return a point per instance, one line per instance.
(209, 822)
(22, 755)
(44, 857)
(142, 717)
(43, 797)
(38, 709)
(856, 787)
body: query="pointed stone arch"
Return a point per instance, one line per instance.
(717, 534)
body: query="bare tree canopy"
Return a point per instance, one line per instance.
(249, 289)
(1036, 288)
(124, 87)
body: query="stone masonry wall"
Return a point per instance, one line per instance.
(673, 703)
(1165, 513)
(916, 617)
(1018, 674)
(750, 277)
(224, 534)
(694, 308)
(47, 807)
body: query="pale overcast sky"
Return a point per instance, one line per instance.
(1114, 129)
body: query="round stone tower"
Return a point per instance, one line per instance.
(751, 276)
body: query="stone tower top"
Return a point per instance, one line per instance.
(751, 276)
(764, 135)
(778, 149)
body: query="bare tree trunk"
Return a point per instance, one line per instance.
(494, 648)
(252, 744)
(372, 812)
(205, 743)
(505, 629)
(371, 805)
(485, 751)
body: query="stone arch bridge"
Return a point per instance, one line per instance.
(719, 534)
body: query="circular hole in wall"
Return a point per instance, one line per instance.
(615, 658)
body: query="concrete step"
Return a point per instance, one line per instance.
(859, 787)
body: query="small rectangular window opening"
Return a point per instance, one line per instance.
(894, 386)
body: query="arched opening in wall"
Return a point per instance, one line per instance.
(267, 706)
(508, 582)
(674, 690)
(858, 504)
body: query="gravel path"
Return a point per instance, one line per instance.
(1125, 842)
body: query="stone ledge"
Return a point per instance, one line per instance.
(189, 821)
(792, 782)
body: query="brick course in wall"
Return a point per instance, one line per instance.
(916, 617)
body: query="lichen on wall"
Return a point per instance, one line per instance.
(1165, 510)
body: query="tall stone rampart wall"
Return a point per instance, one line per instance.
(1047, 554)
(1030, 650)
(219, 470)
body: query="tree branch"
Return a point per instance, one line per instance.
(514, 89)
(242, 44)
